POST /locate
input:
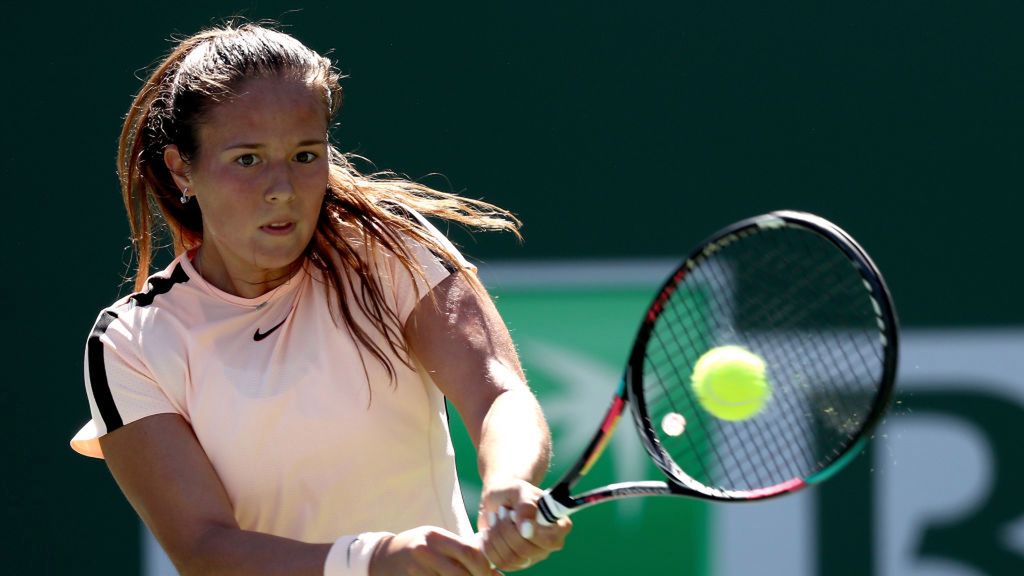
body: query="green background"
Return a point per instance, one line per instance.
(613, 129)
(591, 331)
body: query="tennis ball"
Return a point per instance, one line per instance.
(730, 382)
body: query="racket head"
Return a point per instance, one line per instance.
(799, 292)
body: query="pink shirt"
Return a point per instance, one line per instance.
(306, 446)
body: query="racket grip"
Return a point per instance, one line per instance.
(551, 510)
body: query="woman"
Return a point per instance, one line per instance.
(273, 402)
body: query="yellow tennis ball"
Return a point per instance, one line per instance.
(730, 382)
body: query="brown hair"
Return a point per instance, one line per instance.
(201, 72)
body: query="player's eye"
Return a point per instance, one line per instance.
(247, 160)
(306, 157)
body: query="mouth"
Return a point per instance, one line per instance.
(278, 228)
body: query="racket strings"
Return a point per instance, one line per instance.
(666, 374)
(791, 425)
(782, 297)
(768, 461)
(740, 461)
(845, 285)
(836, 274)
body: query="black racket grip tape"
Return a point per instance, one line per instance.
(549, 510)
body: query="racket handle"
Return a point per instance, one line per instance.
(551, 510)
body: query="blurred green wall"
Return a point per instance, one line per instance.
(613, 130)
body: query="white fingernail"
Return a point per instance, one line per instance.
(502, 512)
(513, 516)
(526, 529)
(492, 518)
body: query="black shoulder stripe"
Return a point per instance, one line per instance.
(98, 374)
(447, 265)
(159, 285)
(94, 347)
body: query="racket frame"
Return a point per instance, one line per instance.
(558, 501)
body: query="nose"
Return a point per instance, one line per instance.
(280, 188)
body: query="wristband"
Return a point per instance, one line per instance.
(350, 555)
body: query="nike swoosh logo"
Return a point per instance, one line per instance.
(261, 335)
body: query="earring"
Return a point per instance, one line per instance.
(184, 196)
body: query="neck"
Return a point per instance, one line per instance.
(221, 277)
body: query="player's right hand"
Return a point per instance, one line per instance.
(429, 551)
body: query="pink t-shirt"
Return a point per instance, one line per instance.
(306, 446)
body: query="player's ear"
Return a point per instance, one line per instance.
(177, 166)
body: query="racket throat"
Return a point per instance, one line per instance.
(597, 444)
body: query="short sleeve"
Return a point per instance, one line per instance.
(119, 386)
(410, 288)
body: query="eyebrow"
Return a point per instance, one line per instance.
(315, 142)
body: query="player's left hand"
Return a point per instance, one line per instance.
(511, 536)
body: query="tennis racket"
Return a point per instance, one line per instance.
(799, 292)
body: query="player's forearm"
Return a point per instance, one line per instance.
(514, 440)
(229, 551)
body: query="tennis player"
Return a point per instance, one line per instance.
(273, 402)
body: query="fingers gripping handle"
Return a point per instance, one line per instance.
(551, 510)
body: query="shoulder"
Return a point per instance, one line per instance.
(403, 230)
(132, 314)
(433, 247)
(403, 211)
